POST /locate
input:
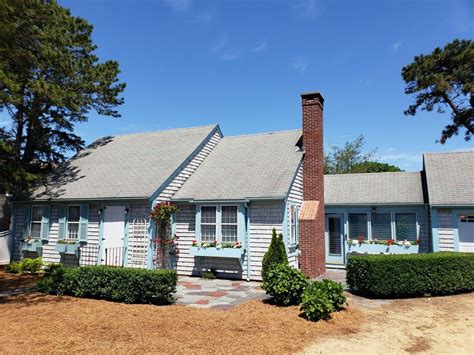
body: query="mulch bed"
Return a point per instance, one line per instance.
(36, 322)
(10, 282)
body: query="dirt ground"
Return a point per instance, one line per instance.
(33, 322)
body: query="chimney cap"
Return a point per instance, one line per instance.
(312, 95)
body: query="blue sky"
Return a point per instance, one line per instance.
(243, 64)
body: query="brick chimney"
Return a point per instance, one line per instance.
(311, 230)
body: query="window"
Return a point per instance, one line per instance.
(73, 215)
(229, 224)
(358, 225)
(467, 219)
(381, 226)
(405, 226)
(293, 227)
(208, 223)
(36, 219)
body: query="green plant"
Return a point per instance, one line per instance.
(210, 274)
(13, 268)
(285, 284)
(116, 284)
(316, 303)
(276, 254)
(440, 273)
(68, 242)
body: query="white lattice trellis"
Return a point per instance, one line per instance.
(138, 243)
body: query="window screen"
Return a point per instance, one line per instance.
(381, 226)
(405, 226)
(358, 225)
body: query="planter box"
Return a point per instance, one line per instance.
(69, 249)
(382, 249)
(36, 246)
(235, 253)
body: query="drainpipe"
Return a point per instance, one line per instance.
(247, 239)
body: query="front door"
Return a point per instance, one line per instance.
(113, 249)
(466, 233)
(335, 246)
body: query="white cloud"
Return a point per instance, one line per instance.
(260, 47)
(300, 65)
(309, 8)
(396, 46)
(180, 5)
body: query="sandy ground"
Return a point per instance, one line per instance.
(33, 322)
(436, 325)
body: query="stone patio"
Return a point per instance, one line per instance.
(216, 294)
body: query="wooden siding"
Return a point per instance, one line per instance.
(194, 163)
(185, 224)
(445, 230)
(295, 198)
(264, 216)
(425, 231)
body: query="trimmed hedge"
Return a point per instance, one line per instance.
(110, 283)
(440, 273)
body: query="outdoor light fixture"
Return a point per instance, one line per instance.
(100, 211)
(374, 209)
(126, 210)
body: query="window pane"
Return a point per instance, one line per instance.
(229, 214)
(208, 214)
(381, 226)
(35, 230)
(208, 233)
(36, 214)
(73, 230)
(229, 233)
(73, 214)
(405, 225)
(357, 225)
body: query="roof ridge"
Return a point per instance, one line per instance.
(158, 130)
(452, 152)
(381, 173)
(263, 133)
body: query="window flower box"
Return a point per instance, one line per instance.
(214, 252)
(68, 248)
(382, 249)
(32, 246)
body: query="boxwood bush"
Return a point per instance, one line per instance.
(321, 298)
(409, 275)
(116, 284)
(285, 284)
(27, 265)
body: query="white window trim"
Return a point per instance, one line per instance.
(218, 223)
(66, 237)
(36, 222)
(294, 238)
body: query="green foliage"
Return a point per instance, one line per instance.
(27, 265)
(115, 284)
(441, 273)
(444, 78)
(13, 268)
(276, 253)
(321, 298)
(210, 274)
(315, 303)
(352, 159)
(374, 167)
(50, 79)
(285, 284)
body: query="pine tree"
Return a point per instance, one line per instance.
(276, 253)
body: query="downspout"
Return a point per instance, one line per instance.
(247, 239)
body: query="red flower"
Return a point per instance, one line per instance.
(417, 242)
(388, 242)
(361, 239)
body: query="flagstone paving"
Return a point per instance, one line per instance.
(216, 294)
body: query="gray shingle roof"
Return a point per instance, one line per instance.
(241, 167)
(374, 188)
(128, 166)
(450, 178)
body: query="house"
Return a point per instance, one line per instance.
(234, 190)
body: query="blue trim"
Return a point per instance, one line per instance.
(247, 242)
(455, 215)
(125, 238)
(185, 163)
(284, 227)
(101, 234)
(434, 228)
(241, 232)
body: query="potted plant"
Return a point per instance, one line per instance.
(33, 245)
(69, 247)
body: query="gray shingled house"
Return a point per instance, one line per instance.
(231, 192)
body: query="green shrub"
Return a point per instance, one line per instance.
(13, 268)
(116, 284)
(31, 265)
(276, 254)
(27, 265)
(210, 274)
(285, 284)
(315, 302)
(411, 275)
